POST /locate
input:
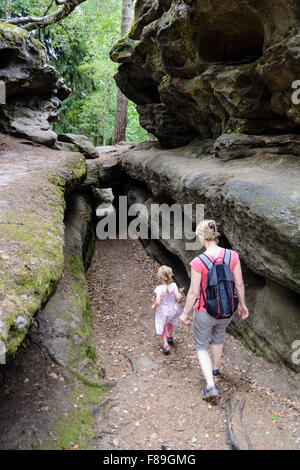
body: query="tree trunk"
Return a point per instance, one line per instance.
(122, 101)
(103, 125)
(7, 5)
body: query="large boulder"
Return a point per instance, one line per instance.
(82, 142)
(34, 182)
(33, 88)
(212, 66)
(255, 201)
(92, 177)
(249, 197)
(64, 325)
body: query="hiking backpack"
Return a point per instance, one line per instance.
(221, 301)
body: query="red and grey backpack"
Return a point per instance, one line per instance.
(221, 301)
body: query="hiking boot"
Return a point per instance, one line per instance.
(209, 392)
(166, 349)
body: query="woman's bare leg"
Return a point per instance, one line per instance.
(217, 350)
(205, 364)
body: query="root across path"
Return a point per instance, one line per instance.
(157, 402)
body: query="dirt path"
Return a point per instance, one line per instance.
(44, 406)
(160, 406)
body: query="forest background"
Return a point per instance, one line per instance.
(78, 47)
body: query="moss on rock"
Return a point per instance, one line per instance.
(76, 428)
(65, 324)
(32, 235)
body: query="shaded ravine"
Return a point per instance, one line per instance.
(160, 406)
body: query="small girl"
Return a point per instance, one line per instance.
(168, 310)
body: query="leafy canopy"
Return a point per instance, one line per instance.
(78, 47)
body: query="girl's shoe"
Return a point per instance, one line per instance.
(216, 373)
(209, 392)
(166, 349)
(170, 339)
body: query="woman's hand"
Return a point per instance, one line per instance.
(184, 318)
(243, 312)
(153, 306)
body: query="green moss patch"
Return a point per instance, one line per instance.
(32, 242)
(75, 430)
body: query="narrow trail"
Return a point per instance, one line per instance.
(160, 406)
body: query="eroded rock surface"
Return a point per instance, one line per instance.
(81, 142)
(64, 326)
(33, 89)
(34, 181)
(255, 201)
(207, 67)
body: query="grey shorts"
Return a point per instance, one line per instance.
(208, 330)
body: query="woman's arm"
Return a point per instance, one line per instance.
(240, 288)
(192, 295)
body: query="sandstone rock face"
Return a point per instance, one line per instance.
(65, 324)
(92, 177)
(33, 88)
(256, 203)
(82, 142)
(34, 181)
(207, 67)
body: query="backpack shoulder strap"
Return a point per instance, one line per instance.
(206, 261)
(227, 257)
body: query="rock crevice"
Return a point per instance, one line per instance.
(255, 202)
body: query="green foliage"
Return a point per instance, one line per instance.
(134, 132)
(78, 47)
(166, 78)
(237, 130)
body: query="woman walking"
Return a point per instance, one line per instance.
(210, 327)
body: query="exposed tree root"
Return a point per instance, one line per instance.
(132, 362)
(85, 380)
(250, 445)
(233, 405)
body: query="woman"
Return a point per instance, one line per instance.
(207, 328)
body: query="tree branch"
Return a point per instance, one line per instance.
(31, 23)
(48, 9)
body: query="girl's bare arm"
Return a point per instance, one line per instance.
(178, 296)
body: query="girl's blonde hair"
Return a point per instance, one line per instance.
(165, 274)
(207, 229)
